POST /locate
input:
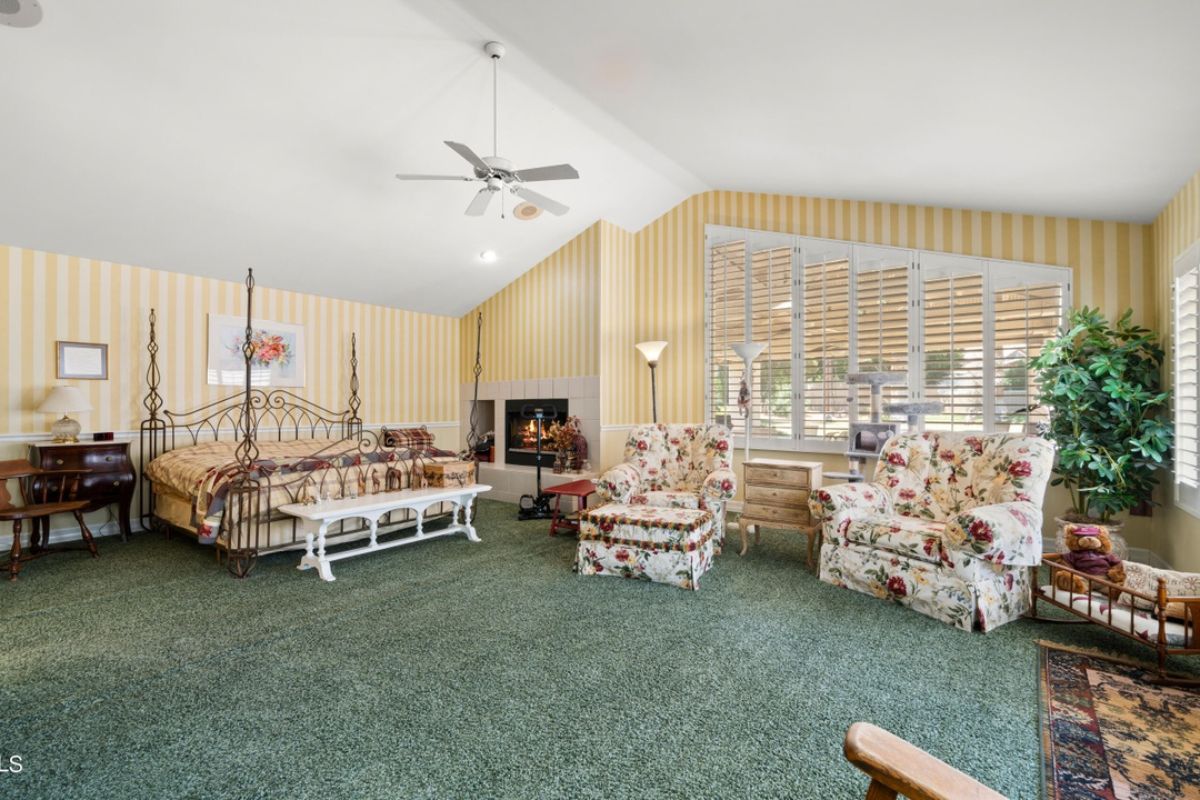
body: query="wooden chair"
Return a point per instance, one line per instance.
(899, 768)
(43, 492)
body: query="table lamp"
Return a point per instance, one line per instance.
(747, 351)
(64, 400)
(652, 350)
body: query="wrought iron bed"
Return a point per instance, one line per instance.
(250, 523)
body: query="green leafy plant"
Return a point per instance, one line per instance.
(1108, 413)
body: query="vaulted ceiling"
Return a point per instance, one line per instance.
(180, 136)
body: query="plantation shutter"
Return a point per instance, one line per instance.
(882, 315)
(771, 324)
(1028, 305)
(825, 353)
(952, 341)
(1187, 380)
(962, 329)
(726, 292)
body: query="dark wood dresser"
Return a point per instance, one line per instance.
(111, 478)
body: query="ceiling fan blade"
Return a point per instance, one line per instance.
(405, 177)
(469, 155)
(541, 201)
(480, 203)
(558, 172)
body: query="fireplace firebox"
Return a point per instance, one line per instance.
(520, 443)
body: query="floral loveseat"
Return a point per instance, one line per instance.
(950, 526)
(675, 466)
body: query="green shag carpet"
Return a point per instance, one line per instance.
(451, 669)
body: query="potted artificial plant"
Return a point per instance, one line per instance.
(1102, 384)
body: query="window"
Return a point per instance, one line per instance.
(726, 295)
(952, 297)
(771, 324)
(882, 316)
(961, 329)
(1026, 313)
(1186, 343)
(825, 339)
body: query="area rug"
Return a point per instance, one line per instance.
(1109, 734)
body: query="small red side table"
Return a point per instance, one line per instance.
(577, 489)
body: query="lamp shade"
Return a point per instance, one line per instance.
(748, 351)
(651, 350)
(64, 400)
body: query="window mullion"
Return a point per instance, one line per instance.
(852, 330)
(988, 379)
(798, 391)
(916, 327)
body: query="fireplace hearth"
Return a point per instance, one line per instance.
(520, 442)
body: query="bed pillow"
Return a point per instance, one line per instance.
(419, 439)
(1144, 578)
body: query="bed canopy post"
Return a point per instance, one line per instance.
(244, 493)
(354, 422)
(247, 449)
(473, 436)
(152, 428)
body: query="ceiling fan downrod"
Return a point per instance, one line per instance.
(497, 173)
(496, 51)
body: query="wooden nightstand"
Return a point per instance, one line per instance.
(777, 497)
(110, 478)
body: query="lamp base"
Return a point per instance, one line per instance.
(65, 430)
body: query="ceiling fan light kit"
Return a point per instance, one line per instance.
(527, 211)
(20, 13)
(496, 173)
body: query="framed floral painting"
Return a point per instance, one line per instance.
(278, 359)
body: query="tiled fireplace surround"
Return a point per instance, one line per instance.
(510, 481)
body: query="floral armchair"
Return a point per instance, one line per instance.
(950, 526)
(675, 466)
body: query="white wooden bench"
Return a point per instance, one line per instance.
(372, 508)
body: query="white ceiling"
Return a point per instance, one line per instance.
(160, 133)
(1073, 107)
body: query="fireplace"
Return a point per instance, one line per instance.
(520, 441)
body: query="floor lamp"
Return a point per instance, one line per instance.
(747, 351)
(652, 350)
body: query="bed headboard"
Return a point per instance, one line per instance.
(276, 414)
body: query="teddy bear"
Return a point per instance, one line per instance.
(1089, 550)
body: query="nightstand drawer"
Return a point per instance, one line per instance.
(756, 513)
(777, 496)
(777, 475)
(100, 461)
(95, 485)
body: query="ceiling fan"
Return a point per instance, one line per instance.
(497, 173)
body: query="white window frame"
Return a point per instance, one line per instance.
(1187, 497)
(997, 274)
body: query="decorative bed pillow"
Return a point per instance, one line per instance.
(411, 438)
(1144, 579)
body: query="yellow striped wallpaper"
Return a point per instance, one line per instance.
(619, 359)
(408, 362)
(1174, 231)
(545, 324)
(1112, 262)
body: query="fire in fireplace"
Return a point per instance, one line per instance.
(520, 446)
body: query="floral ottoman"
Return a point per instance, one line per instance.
(667, 545)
